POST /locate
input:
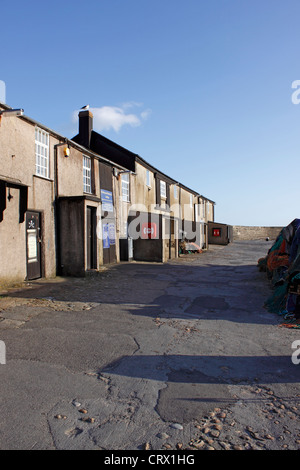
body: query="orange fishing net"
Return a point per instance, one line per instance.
(276, 260)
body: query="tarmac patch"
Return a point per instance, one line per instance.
(207, 302)
(190, 395)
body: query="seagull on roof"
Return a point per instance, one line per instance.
(85, 107)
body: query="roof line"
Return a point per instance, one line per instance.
(106, 160)
(66, 139)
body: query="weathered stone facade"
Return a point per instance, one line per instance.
(242, 232)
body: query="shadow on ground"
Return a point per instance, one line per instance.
(207, 369)
(215, 292)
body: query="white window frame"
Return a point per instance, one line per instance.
(87, 174)
(207, 208)
(163, 189)
(175, 191)
(41, 152)
(125, 187)
(148, 180)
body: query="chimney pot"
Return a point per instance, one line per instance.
(85, 127)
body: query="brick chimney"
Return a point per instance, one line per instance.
(85, 127)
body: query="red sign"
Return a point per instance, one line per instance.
(148, 230)
(216, 232)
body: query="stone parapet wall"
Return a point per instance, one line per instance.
(241, 232)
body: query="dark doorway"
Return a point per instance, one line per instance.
(91, 237)
(33, 245)
(172, 253)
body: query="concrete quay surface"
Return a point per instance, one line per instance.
(175, 356)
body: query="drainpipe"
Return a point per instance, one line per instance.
(55, 166)
(56, 209)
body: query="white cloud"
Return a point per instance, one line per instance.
(145, 114)
(112, 117)
(115, 117)
(131, 104)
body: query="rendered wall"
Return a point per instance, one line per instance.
(17, 144)
(254, 233)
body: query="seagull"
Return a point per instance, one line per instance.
(85, 107)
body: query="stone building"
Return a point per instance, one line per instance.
(153, 210)
(50, 202)
(68, 206)
(27, 214)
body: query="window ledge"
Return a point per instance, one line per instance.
(43, 178)
(163, 209)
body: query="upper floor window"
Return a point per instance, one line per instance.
(148, 183)
(175, 191)
(163, 189)
(41, 153)
(87, 174)
(125, 187)
(191, 200)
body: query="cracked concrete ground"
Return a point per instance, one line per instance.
(175, 356)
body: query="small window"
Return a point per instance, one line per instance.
(191, 200)
(87, 180)
(125, 187)
(175, 191)
(163, 190)
(148, 183)
(41, 153)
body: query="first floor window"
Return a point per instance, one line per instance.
(41, 153)
(125, 187)
(163, 190)
(87, 180)
(148, 178)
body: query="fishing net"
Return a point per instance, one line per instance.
(276, 303)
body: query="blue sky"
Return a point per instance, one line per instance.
(201, 89)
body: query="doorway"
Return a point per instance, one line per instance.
(33, 245)
(91, 238)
